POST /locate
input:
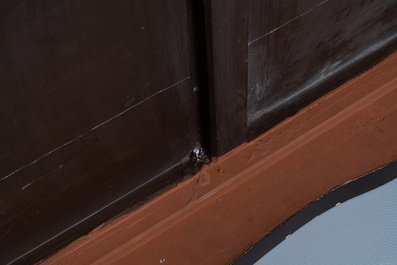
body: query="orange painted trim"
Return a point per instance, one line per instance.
(229, 205)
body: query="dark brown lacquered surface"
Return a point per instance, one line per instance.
(227, 38)
(299, 50)
(96, 100)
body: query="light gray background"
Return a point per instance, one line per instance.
(360, 231)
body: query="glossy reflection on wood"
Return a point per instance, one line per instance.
(300, 50)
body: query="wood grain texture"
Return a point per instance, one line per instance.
(97, 111)
(299, 50)
(227, 40)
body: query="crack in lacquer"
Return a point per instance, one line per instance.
(288, 22)
(94, 128)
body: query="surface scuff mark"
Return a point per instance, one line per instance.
(41, 157)
(139, 103)
(94, 128)
(288, 22)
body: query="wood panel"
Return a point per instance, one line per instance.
(299, 50)
(227, 39)
(97, 111)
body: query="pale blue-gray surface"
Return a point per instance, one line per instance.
(360, 231)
